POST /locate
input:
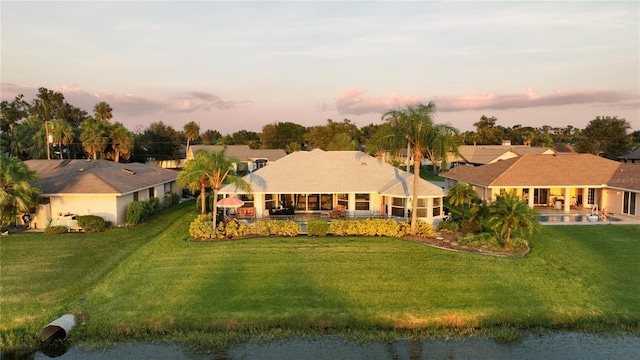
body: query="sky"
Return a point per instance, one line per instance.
(233, 66)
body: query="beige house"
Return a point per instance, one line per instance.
(95, 187)
(252, 159)
(477, 155)
(321, 181)
(563, 181)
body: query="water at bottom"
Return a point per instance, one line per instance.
(559, 345)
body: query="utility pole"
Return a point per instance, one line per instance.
(46, 140)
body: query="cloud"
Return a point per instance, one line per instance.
(128, 104)
(355, 101)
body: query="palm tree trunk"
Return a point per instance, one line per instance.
(203, 203)
(416, 186)
(215, 209)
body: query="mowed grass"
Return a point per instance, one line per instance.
(161, 286)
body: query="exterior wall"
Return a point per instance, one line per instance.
(103, 206)
(122, 202)
(505, 156)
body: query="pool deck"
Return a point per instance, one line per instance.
(621, 219)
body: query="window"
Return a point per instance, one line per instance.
(313, 202)
(167, 187)
(591, 196)
(135, 196)
(362, 201)
(437, 206)
(343, 200)
(422, 208)
(269, 201)
(151, 193)
(326, 202)
(629, 203)
(248, 200)
(301, 203)
(397, 206)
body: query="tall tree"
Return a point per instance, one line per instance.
(94, 136)
(63, 134)
(321, 136)
(489, 133)
(191, 132)
(415, 124)
(122, 141)
(210, 137)
(17, 192)
(102, 111)
(443, 142)
(158, 142)
(279, 135)
(607, 136)
(28, 139)
(509, 214)
(49, 105)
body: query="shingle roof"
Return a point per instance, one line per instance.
(97, 176)
(627, 176)
(633, 155)
(321, 171)
(539, 170)
(486, 154)
(242, 152)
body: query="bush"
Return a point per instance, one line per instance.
(448, 226)
(92, 223)
(170, 199)
(368, 227)
(55, 230)
(137, 212)
(317, 228)
(425, 229)
(202, 228)
(154, 205)
(276, 228)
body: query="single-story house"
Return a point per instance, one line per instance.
(559, 180)
(95, 187)
(632, 157)
(477, 155)
(252, 159)
(321, 181)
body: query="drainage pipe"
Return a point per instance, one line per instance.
(58, 328)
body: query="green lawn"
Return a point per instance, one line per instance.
(148, 282)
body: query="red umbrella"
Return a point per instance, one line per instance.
(230, 202)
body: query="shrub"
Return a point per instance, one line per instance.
(425, 229)
(234, 229)
(92, 223)
(202, 228)
(170, 199)
(55, 230)
(448, 226)
(317, 228)
(276, 227)
(154, 205)
(137, 212)
(368, 227)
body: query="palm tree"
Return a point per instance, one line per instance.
(94, 136)
(509, 214)
(102, 111)
(62, 133)
(443, 142)
(121, 141)
(17, 193)
(191, 132)
(195, 176)
(415, 124)
(461, 194)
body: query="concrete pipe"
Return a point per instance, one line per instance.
(58, 328)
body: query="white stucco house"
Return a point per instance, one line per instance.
(321, 181)
(95, 187)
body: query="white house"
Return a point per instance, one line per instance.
(95, 187)
(321, 181)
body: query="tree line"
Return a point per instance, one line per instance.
(49, 127)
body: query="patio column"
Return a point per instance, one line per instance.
(258, 203)
(531, 197)
(430, 210)
(352, 204)
(567, 199)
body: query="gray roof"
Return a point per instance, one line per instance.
(633, 155)
(330, 172)
(97, 176)
(241, 152)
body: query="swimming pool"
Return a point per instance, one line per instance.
(561, 218)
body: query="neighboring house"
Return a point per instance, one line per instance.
(560, 180)
(633, 157)
(95, 187)
(252, 159)
(477, 155)
(564, 147)
(322, 181)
